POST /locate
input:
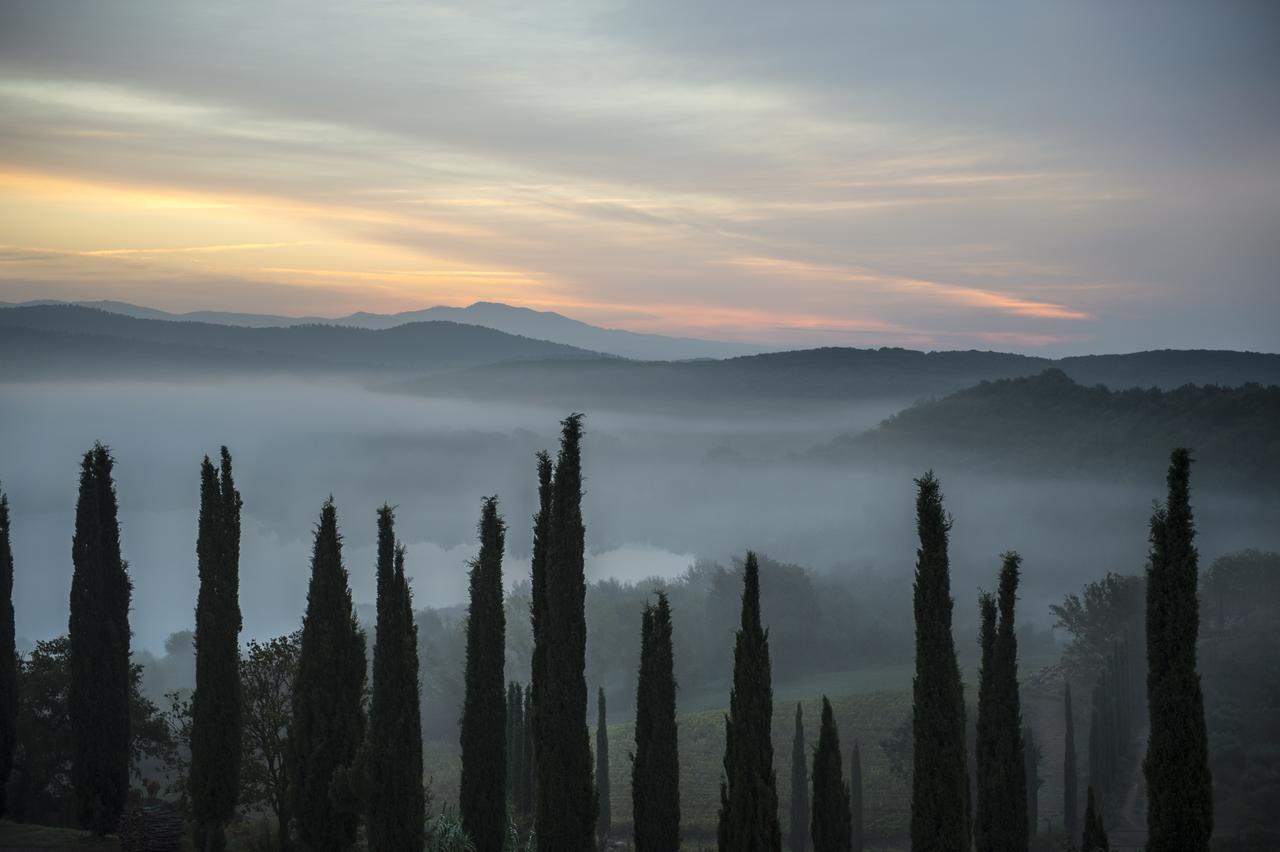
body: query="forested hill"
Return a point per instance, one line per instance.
(1050, 425)
(49, 340)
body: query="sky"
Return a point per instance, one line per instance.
(1041, 177)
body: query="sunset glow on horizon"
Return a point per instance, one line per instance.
(635, 169)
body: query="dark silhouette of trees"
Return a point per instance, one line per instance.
(832, 824)
(482, 801)
(1094, 838)
(604, 811)
(216, 724)
(515, 743)
(855, 799)
(566, 809)
(328, 720)
(798, 834)
(939, 794)
(396, 799)
(266, 689)
(1031, 749)
(98, 696)
(538, 618)
(1070, 780)
(655, 767)
(748, 789)
(8, 657)
(1000, 824)
(1179, 789)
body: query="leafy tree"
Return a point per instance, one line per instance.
(1097, 618)
(655, 768)
(1070, 782)
(566, 811)
(603, 818)
(328, 720)
(98, 697)
(8, 657)
(216, 723)
(855, 799)
(1095, 836)
(832, 824)
(939, 795)
(41, 786)
(798, 837)
(396, 800)
(748, 788)
(266, 691)
(1179, 788)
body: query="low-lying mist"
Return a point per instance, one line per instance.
(661, 491)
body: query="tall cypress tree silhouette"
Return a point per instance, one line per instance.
(1070, 781)
(1179, 788)
(215, 706)
(566, 809)
(798, 832)
(327, 731)
(939, 793)
(855, 797)
(482, 801)
(98, 696)
(832, 824)
(749, 789)
(8, 656)
(396, 803)
(538, 618)
(604, 811)
(655, 768)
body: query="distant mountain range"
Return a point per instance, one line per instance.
(1049, 425)
(44, 341)
(539, 325)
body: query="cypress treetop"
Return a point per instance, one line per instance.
(8, 656)
(748, 789)
(98, 696)
(327, 731)
(655, 768)
(482, 801)
(216, 724)
(832, 823)
(1179, 788)
(940, 791)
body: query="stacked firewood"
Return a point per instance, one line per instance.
(151, 828)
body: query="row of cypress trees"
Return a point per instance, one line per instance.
(520, 768)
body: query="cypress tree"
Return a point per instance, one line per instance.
(604, 814)
(1179, 789)
(855, 797)
(538, 606)
(985, 830)
(529, 767)
(328, 720)
(566, 809)
(1095, 836)
(396, 805)
(1070, 782)
(940, 783)
(832, 823)
(8, 656)
(98, 696)
(748, 788)
(215, 705)
(655, 768)
(1011, 775)
(515, 746)
(482, 800)
(799, 833)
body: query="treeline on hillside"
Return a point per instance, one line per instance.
(1049, 425)
(345, 763)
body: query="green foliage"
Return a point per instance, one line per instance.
(41, 788)
(446, 834)
(1000, 824)
(8, 657)
(655, 767)
(1096, 619)
(832, 824)
(798, 833)
(396, 801)
(566, 809)
(602, 772)
(98, 697)
(940, 782)
(748, 788)
(266, 690)
(1179, 788)
(1241, 590)
(328, 719)
(216, 723)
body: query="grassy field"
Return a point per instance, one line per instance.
(14, 835)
